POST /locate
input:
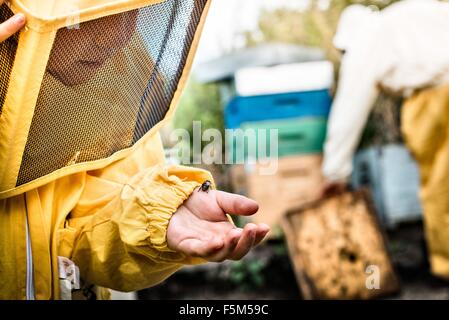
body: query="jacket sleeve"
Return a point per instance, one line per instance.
(349, 113)
(116, 233)
(120, 240)
(361, 72)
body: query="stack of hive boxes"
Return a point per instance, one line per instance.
(295, 100)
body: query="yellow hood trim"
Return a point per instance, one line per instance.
(50, 15)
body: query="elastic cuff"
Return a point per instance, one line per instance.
(149, 200)
(161, 208)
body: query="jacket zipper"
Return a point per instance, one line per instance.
(29, 275)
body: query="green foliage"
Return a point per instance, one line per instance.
(312, 27)
(247, 274)
(252, 271)
(280, 249)
(200, 102)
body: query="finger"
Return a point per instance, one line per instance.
(11, 26)
(236, 204)
(205, 206)
(262, 231)
(200, 248)
(246, 242)
(231, 240)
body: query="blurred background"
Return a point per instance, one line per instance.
(289, 42)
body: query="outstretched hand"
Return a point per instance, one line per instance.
(200, 227)
(11, 26)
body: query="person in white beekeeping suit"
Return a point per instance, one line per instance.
(404, 50)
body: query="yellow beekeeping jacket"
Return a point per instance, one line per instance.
(111, 221)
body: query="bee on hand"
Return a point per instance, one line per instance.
(206, 186)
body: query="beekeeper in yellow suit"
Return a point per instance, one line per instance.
(92, 202)
(403, 49)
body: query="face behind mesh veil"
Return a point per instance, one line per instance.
(107, 83)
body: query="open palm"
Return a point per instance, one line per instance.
(200, 227)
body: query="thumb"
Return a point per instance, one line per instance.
(236, 204)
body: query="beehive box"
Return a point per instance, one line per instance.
(314, 103)
(393, 177)
(338, 249)
(298, 180)
(296, 136)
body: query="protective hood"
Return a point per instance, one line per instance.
(88, 80)
(352, 25)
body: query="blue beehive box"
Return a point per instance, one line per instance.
(314, 103)
(393, 177)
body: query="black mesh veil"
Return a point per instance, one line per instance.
(107, 83)
(7, 53)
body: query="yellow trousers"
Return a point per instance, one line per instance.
(425, 126)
